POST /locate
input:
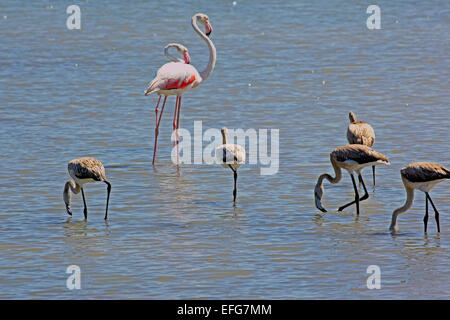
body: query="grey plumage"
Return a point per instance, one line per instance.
(360, 132)
(425, 171)
(86, 168)
(359, 153)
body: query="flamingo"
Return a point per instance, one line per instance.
(423, 176)
(353, 158)
(182, 51)
(175, 78)
(231, 156)
(360, 132)
(84, 170)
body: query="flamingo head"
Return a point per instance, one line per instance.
(187, 58)
(318, 193)
(204, 20)
(182, 51)
(224, 131)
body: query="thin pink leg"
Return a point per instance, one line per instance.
(175, 119)
(157, 131)
(157, 110)
(178, 127)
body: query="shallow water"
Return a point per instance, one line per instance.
(175, 233)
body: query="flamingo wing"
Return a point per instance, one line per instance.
(174, 75)
(231, 153)
(360, 133)
(425, 171)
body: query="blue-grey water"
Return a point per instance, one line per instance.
(296, 66)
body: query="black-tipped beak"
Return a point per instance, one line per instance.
(69, 211)
(208, 28)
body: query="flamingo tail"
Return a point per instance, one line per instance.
(152, 87)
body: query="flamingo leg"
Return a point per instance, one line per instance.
(178, 127)
(235, 183)
(157, 131)
(366, 194)
(425, 219)
(235, 186)
(436, 212)
(107, 199)
(157, 110)
(364, 197)
(356, 197)
(373, 173)
(85, 207)
(175, 119)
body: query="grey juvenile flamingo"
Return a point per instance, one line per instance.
(84, 170)
(353, 158)
(360, 132)
(230, 156)
(422, 176)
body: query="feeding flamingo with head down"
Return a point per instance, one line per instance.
(175, 78)
(84, 170)
(353, 158)
(422, 176)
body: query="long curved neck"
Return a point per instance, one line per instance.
(74, 187)
(172, 58)
(318, 190)
(212, 50)
(70, 186)
(404, 208)
(337, 173)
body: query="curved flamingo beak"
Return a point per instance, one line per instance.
(187, 59)
(208, 28)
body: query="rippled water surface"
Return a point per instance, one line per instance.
(296, 66)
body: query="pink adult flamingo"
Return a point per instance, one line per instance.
(175, 78)
(183, 52)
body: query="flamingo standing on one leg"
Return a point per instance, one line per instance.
(423, 176)
(175, 78)
(83, 170)
(231, 156)
(353, 158)
(360, 132)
